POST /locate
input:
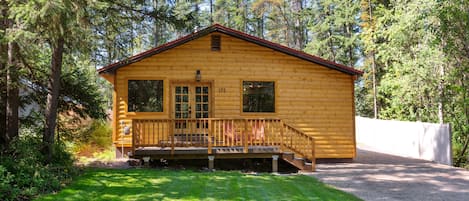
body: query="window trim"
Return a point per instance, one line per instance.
(126, 95)
(259, 113)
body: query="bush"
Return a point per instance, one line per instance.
(24, 175)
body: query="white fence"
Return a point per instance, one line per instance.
(408, 139)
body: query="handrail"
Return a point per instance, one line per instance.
(299, 142)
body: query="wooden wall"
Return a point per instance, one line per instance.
(313, 98)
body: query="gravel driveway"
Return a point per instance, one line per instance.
(376, 176)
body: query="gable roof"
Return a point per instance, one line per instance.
(236, 34)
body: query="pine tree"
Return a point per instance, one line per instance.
(334, 31)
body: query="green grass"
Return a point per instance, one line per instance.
(153, 184)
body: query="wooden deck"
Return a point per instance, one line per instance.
(202, 152)
(221, 138)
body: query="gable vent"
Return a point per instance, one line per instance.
(216, 43)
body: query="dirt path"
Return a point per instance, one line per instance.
(376, 176)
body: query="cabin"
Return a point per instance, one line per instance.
(220, 93)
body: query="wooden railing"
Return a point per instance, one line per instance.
(216, 132)
(298, 142)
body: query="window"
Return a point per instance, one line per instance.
(145, 95)
(258, 96)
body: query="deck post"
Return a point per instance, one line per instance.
(274, 163)
(146, 161)
(313, 158)
(282, 130)
(171, 136)
(134, 136)
(209, 140)
(245, 136)
(211, 162)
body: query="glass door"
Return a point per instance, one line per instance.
(191, 104)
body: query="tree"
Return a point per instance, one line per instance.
(368, 41)
(59, 24)
(10, 72)
(334, 28)
(3, 59)
(455, 42)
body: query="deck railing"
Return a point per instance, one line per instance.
(216, 132)
(298, 142)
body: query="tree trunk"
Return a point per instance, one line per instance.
(466, 114)
(3, 97)
(156, 28)
(350, 49)
(329, 36)
(53, 87)
(3, 94)
(211, 12)
(12, 91)
(373, 63)
(441, 93)
(298, 31)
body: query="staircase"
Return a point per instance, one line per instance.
(299, 163)
(298, 149)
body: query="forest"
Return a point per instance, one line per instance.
(414, 54)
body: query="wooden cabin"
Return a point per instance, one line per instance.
(221, 93)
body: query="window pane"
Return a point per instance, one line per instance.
(258, 96)
(145, 95)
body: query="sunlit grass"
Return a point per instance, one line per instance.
(152, 184)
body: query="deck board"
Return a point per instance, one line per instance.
(202, 152)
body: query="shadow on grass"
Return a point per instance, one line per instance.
(152, 184)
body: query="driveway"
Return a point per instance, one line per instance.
(376, 176)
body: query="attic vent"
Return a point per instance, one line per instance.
(216, 43)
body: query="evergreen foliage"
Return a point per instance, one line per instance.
(415, 54)
(23, 174)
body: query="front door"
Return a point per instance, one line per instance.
(191, 104)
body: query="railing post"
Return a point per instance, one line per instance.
(209, 140)
(245, 136)
(282, 130)
(313, 158)
(134, 131)
(171, 136)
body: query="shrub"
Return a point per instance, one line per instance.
(23, 173)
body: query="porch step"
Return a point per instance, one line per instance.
(288, 156)
(300, 163)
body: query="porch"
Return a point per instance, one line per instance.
(218, 138)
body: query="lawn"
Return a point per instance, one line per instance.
(153, 184)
